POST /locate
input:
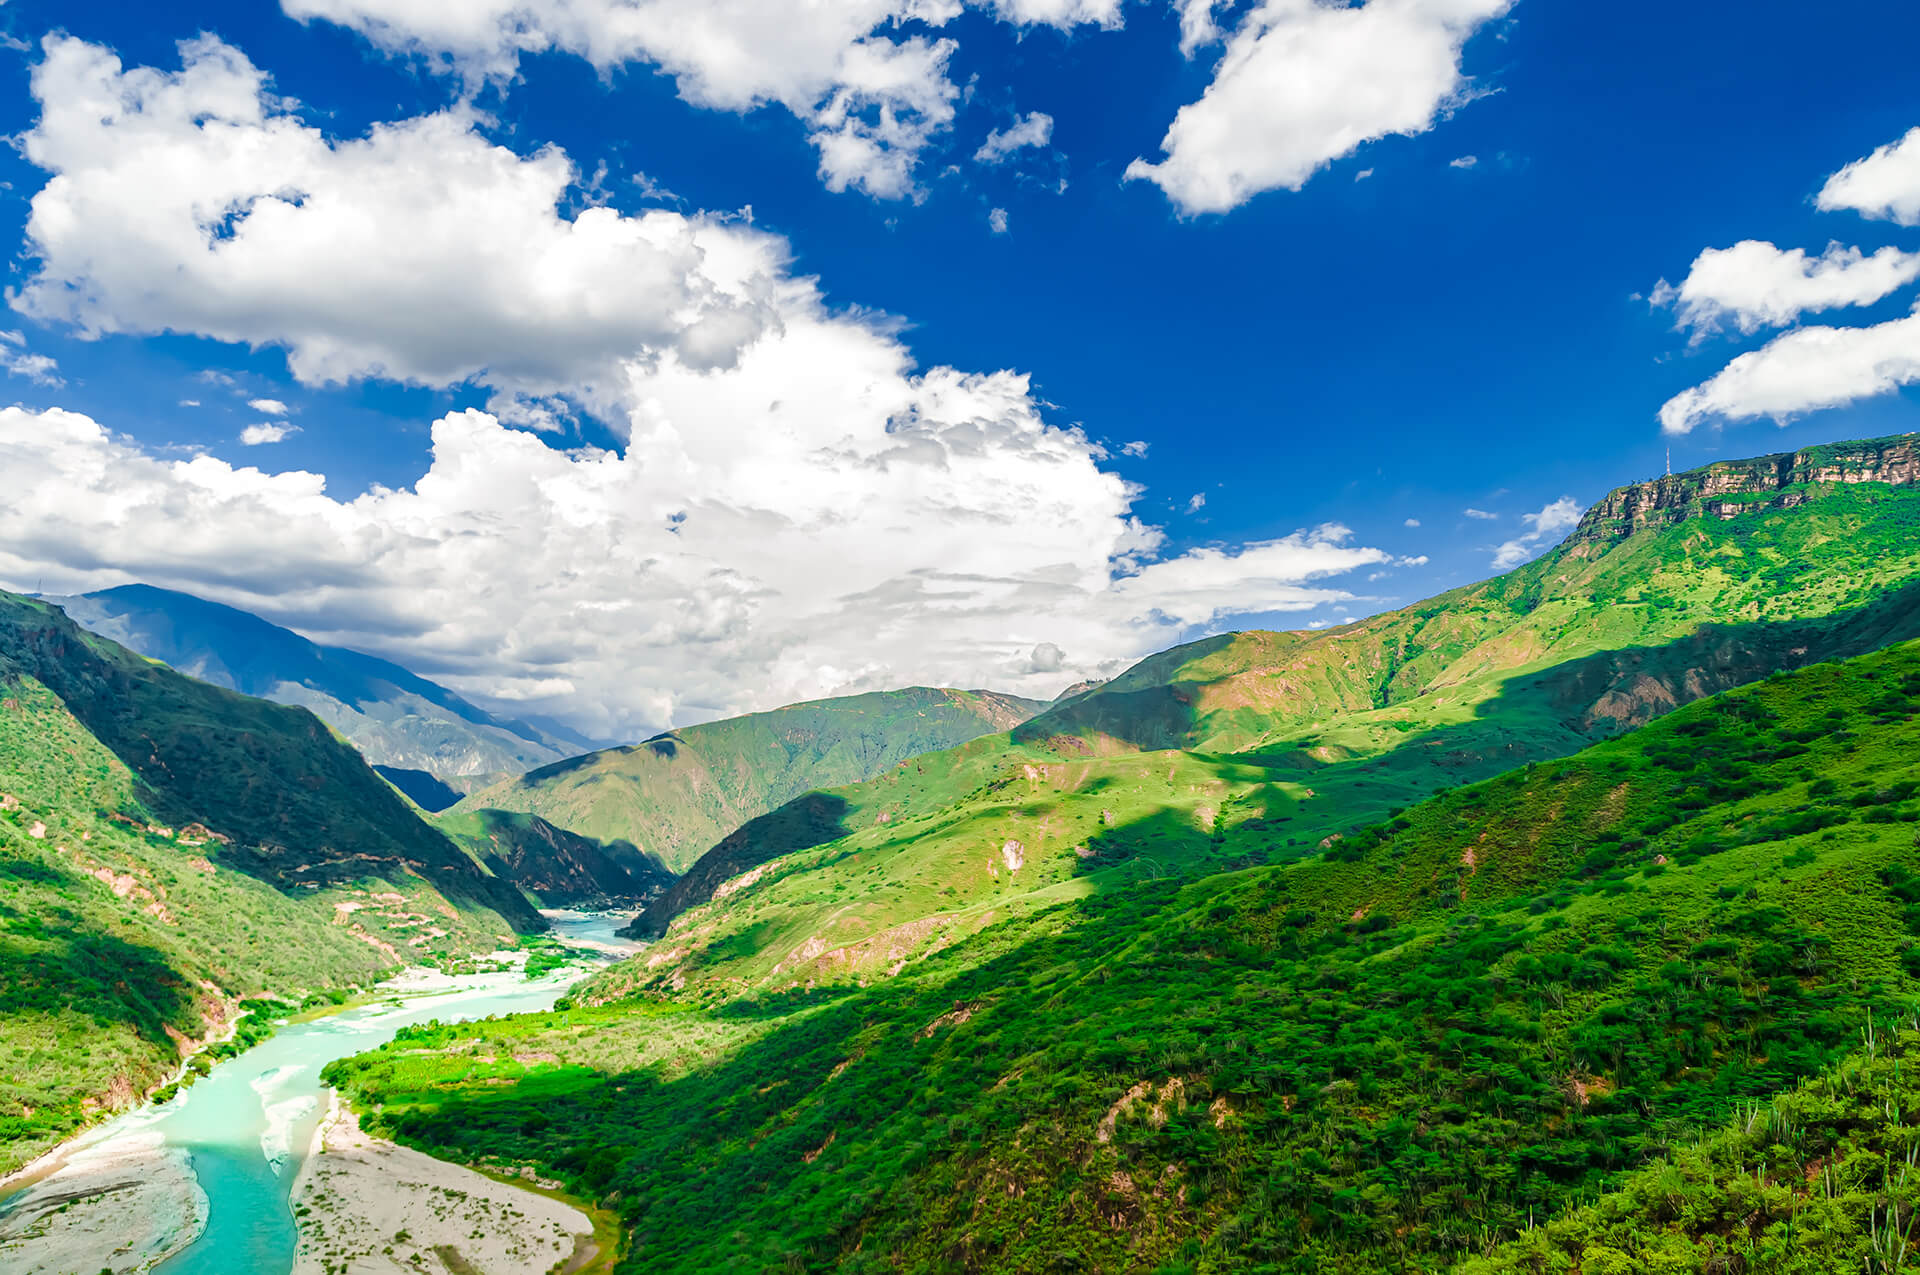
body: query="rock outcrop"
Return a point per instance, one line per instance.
(1728, 489)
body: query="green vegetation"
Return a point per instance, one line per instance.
(1258, 747)
(677, 794)
(1481, 1014)
(557, 867)
(171, 853)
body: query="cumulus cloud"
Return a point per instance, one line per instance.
(1884, 185)
(268, 406)
(997, 220)
(1479, 513)
(1302, 83)
(872, 101)
(41, 369)
(1755, 285)
(1196, 502)
(188, 201)
(266, 432)
(1137, 448)
(795, 508)
(1034, 129)
(1803, 371)
(890, 531)
(1464, 161)
(1413, 522)
(1544, 527)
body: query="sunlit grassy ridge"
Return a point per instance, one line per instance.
(1331, 731)
(675, 795)
(1482, 1013)
(169, 850)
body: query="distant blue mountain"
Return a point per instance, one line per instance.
(395, 718)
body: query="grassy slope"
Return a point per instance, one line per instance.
(560, 868)
(300, 808)
(1335, 730)
(1390, 1058)
(676, 795)
(1820, 1178)
(169, 850)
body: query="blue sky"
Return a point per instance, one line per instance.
(1454, 315)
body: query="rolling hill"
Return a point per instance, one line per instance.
(394, 718)
(1459, 1024)
(1259, 747)
(169, 851)
(677, 794)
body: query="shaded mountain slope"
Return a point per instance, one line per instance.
(392, 716)
(1466, 1020)
(291, 804)
(677, 794)
(1335, 729)
(561, 868)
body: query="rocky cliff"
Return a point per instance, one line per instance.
(1727, 489)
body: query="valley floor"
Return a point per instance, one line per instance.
(367, 1207)
(127, 1202)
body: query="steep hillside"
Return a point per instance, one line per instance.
(125, 942)
(678, 793)
(288, 802)
(561, 868)
(393, 717)
(1453, 1026)
(1257, 747)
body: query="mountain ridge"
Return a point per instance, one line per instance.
(394, 716)
(675, 795)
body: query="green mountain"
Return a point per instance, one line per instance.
(169, 851)
(1454, 1026)
(560, 868)
(678, 793)
(1259, 747)
(396, 719)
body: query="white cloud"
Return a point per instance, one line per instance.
(795, 510)
(1034, 129)
(269, 406)
(868, 529)
(1197, 26)
(1363, 174)
(1303, 83)
(189, 402)
(267, 432)
(1196, 502)
(41, 369)
(1803, 371)
(190, 202)
(1464, 161)
(1753, 284)
(997, 220)
(1135, 448)
(1479, 513)
(871, 103)
(1413, 522)
(1552, 522)
(1885, 184)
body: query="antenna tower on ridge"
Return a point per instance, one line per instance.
(1669, 460)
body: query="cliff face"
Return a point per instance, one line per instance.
(1727, 489)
